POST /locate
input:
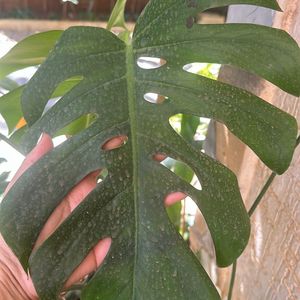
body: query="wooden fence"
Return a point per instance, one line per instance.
(44, 8)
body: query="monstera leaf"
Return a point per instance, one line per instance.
(148, 259)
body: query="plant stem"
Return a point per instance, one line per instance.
(261, 194)
(266, 187)
(250, 213)
(298, 141)
(232, 279)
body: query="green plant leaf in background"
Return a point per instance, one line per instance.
(10, 106)
(8, 84)
(3, 178)
(32, 51)
(117, 16)
(188, 128)
(189, 125)
(148, 259)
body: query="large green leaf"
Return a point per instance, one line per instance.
(148, 259)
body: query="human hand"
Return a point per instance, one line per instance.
(15, 284)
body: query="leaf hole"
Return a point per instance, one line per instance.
(190, 21)
(115, 143)
(90, 263)
(50, 103)
(155, 98)
(78, 125)
(22, 76)
(173, 198)
(68, 204)
(228, 72)
(181, 211)
(58, 140)
(215, 15)
(173, 206)
(149, 63)
(201, 242)
(102, 175)
(62, 89)
(3, 126)
(191, 128)
(181, 169)
(208, 70)
(73, 128)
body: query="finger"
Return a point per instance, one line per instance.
(65, 208)
(71, 201)
(96, 257)
(12, 275)
(75, 197)
(44, 146)
(115, 142)
(93, 260)
(159, 157)
(174, 197)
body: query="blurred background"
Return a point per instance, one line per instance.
(70, 9)
(62, 9)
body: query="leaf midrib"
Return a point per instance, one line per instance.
(132, 107)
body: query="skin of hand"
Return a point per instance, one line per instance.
(15, 284)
